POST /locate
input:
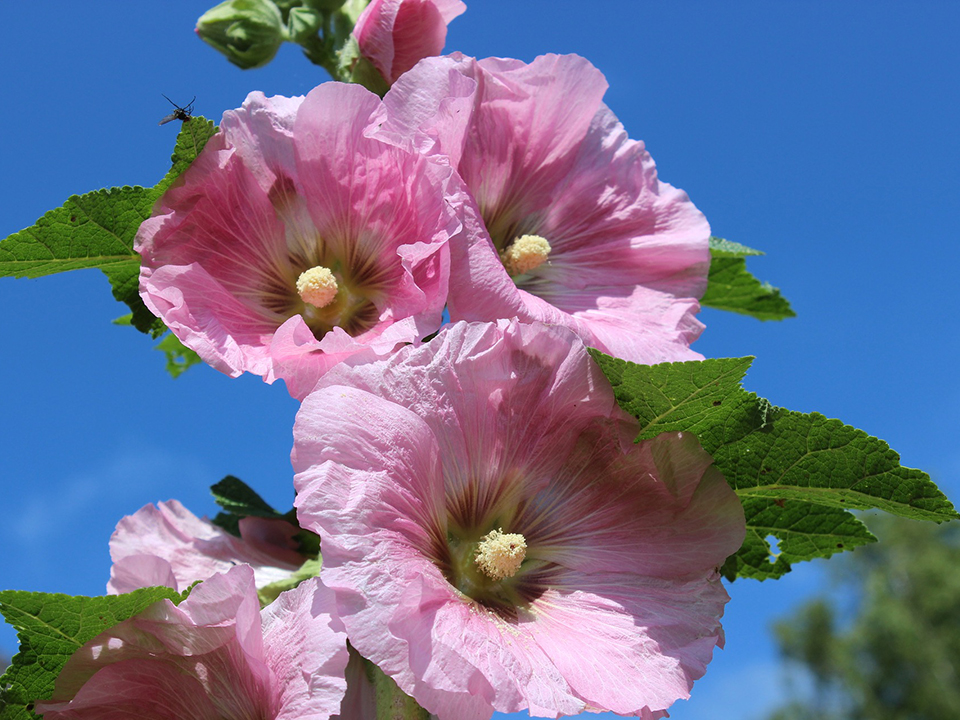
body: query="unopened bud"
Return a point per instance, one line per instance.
(247, 32)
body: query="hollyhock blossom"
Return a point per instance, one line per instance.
(167, 545)
(581, 232)
(495, 539)
(215, 656)
(395, 34)
(295, 240)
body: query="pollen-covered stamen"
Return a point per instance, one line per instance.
(317, 286)
(525, 253)
(500, 554)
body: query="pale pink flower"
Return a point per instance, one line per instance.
(167, 545)
(396, 34)
(215, 656)
(296, 240)
(581, 232)
(495, 539)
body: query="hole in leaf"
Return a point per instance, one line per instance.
(774, 548)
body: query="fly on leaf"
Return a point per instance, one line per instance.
(179, 113)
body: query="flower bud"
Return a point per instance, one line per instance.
(396, 34)
(302, 23)
(247, 32)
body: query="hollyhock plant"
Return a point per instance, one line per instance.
(580, 230)
(167, 545)
(215, 656)
(295, 239)
(495, 539)
(395, 34)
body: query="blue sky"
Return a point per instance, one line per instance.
(823, 133)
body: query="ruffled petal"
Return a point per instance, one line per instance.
(306, 649)
(168, 545)
(401, 461)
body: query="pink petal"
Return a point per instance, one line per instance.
(541, 155)
(213, 656)
(288, 184)
(168, 545)
(305, 647)
(512, 424)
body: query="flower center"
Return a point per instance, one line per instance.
(525, 253)
(500, 554)
(317, 286)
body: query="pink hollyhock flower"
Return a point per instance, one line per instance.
(396, 34)
(495, 539)
(581, 232)
(167, 545)
(216, 656)
(296, 240)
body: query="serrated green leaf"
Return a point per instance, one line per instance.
(50, 628)
(803, 471)
(720, 247)
(228, 522)
(731, 287)
(97, 230)
(191, 139)
(238, 498)
(92, 230)
(804, 531)
(179, 357)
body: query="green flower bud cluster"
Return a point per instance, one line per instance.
(250, 32)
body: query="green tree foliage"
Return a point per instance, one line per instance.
(898, 656)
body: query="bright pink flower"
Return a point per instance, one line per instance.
(168, 545)
(396, 34)
(216, 656)
(495, 539)
(296, 240)
(581, 231)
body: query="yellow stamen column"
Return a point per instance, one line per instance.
(500, 554)
(526, 253)
(317, 286)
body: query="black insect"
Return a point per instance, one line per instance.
(179, 113)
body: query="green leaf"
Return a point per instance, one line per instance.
(50, 628)
(797, 474)
(97, 230)
(270, 592)
(803, 531)
(731, 287)
(191, 139)
(179, 357)
(238, 498)
(727, 248)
